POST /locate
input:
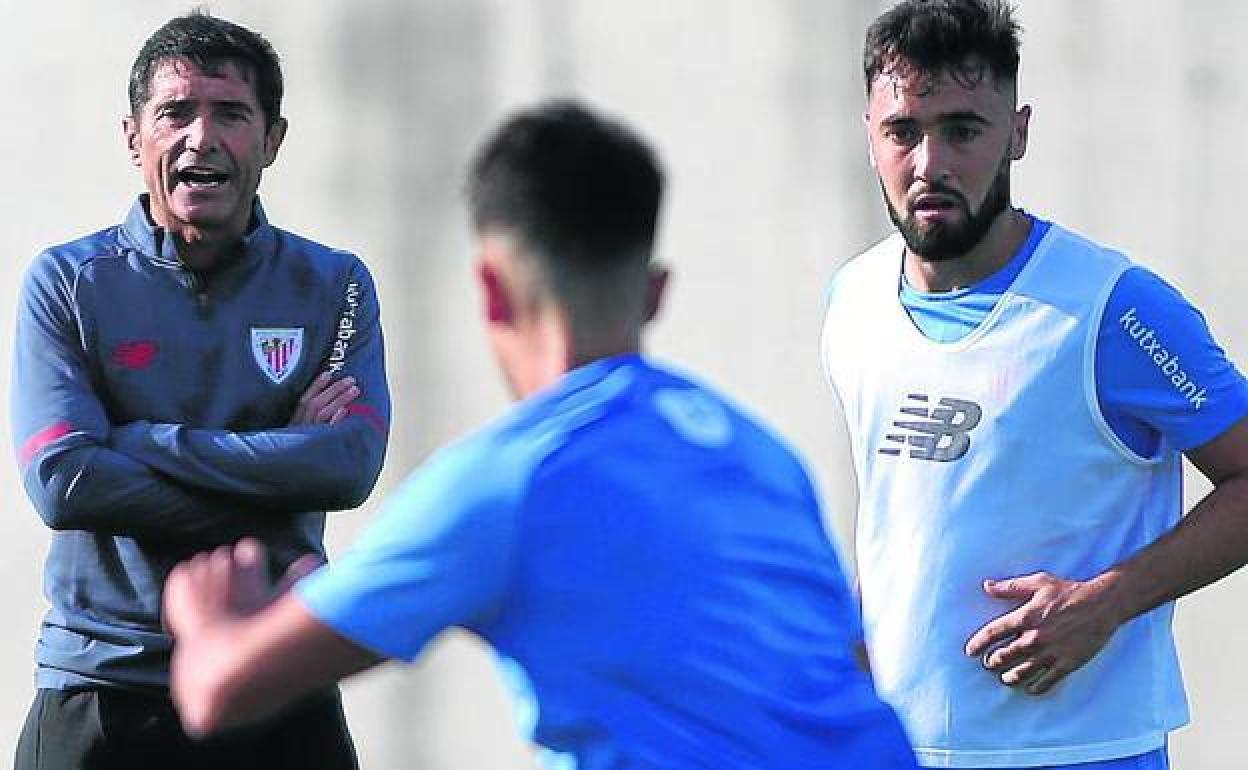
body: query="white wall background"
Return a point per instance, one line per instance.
(1136, 140)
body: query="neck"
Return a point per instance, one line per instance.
(555, 348)
(201, 251)
(201, 247)
(993, 252)
(590, 348)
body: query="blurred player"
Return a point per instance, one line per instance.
(183, 379)
(649, 563)
(1018, 404)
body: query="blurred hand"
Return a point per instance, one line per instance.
(230, 582)
(207, 601)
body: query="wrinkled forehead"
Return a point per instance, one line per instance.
(181, 74)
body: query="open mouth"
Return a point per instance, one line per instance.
(202, 178)
(931, 204)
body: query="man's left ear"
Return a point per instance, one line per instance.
(130, 130)
(1018, 135)
(656, 286)
(866, 123)
(498, 308)
(273, 140)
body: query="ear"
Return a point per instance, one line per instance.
(273, 140)
(130, 130)
(498, 306)
(866, 124)
(656, 286)
(1018, 133)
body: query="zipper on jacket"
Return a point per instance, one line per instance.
(196, 285)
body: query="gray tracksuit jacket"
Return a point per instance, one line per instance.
(149, 405)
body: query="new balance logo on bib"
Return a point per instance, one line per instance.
(942, 434)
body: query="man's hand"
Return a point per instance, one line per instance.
(215, 587)
(206, 599)
(325, 401)
(1059, 627)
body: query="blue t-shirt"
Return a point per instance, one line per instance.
(1148, 334)
(652, 569)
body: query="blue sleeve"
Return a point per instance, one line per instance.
(439, 555)
(1159, 372)
(299, 468)
(61, 432)
(846, 599)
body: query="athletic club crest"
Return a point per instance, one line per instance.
(277, 351)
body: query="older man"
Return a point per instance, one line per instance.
(188, 377)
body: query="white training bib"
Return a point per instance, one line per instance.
(989, 458)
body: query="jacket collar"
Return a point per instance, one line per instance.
(152, 241)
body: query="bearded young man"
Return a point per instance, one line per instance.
(1018, 414)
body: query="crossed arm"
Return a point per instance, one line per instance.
(87, 483)
(90, 486)
(297, 467)
(174, 482)
(1062, 624)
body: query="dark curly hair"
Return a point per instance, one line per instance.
(961, 38)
